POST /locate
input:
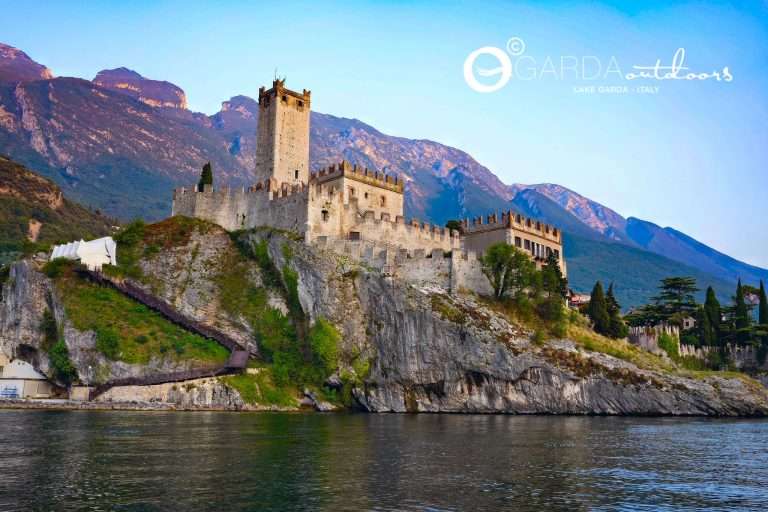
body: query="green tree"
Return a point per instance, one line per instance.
(552, 277)
(762, 318)
(507, 269)
(713, 317)
(704, 328)
(206, 177)
(616, 326)
(676, 298)
(62, 365)
(597, 310)
(741, 318)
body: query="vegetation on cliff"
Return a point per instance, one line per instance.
(294, 354)
(127, 330)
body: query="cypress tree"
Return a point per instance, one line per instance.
(704, 327)
(206, 177)
(617, 328)
(762, 317)
(741, 315)
(552, 276)
(713, 315)
(597, 310)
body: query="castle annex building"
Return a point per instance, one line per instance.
(344, 201)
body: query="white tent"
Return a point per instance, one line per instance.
(93, 254)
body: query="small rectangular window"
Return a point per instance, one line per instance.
(518, 241)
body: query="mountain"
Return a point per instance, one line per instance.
(151, 92)
(108, 149)
(16, 66)
(597, 217)
(638, 233)
(122, 142)
(33, 209)
(680, 247)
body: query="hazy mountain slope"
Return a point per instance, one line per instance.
(107, 149)
(667, 242)
(33, 209)
(635, 273)
(680, 247)
(597, 217)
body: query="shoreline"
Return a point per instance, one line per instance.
(75, 405)
(72, 405)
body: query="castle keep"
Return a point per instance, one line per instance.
(343, 203)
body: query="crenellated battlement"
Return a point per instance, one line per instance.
(510, 219)
(357, 173)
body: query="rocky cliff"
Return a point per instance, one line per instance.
(154, 93)
(402, 347)
(429, 351)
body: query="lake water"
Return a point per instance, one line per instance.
(158, 461)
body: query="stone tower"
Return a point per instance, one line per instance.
(282, 141)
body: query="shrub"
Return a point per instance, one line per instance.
(56, 267)
(669, 345)
(323, 341)
(108, 342)
(131, 234)
(62, 365)
(141, 339)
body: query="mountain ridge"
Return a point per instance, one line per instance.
(109, 149)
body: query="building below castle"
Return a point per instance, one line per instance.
(343, 201)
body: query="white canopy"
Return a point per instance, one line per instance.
(18, 369)
(93, 254)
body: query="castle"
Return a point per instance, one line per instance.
(343, 202)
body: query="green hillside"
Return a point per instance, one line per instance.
(34, 214)
(634, 272)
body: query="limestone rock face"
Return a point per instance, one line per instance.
(194, 394)
(26, 296)
(431, 352)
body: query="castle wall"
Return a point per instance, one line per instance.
(450, 271)
(285, 208)
(227, 208)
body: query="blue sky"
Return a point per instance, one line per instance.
(692, 156)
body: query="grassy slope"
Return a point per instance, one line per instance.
(127, 330)
(24, 196)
